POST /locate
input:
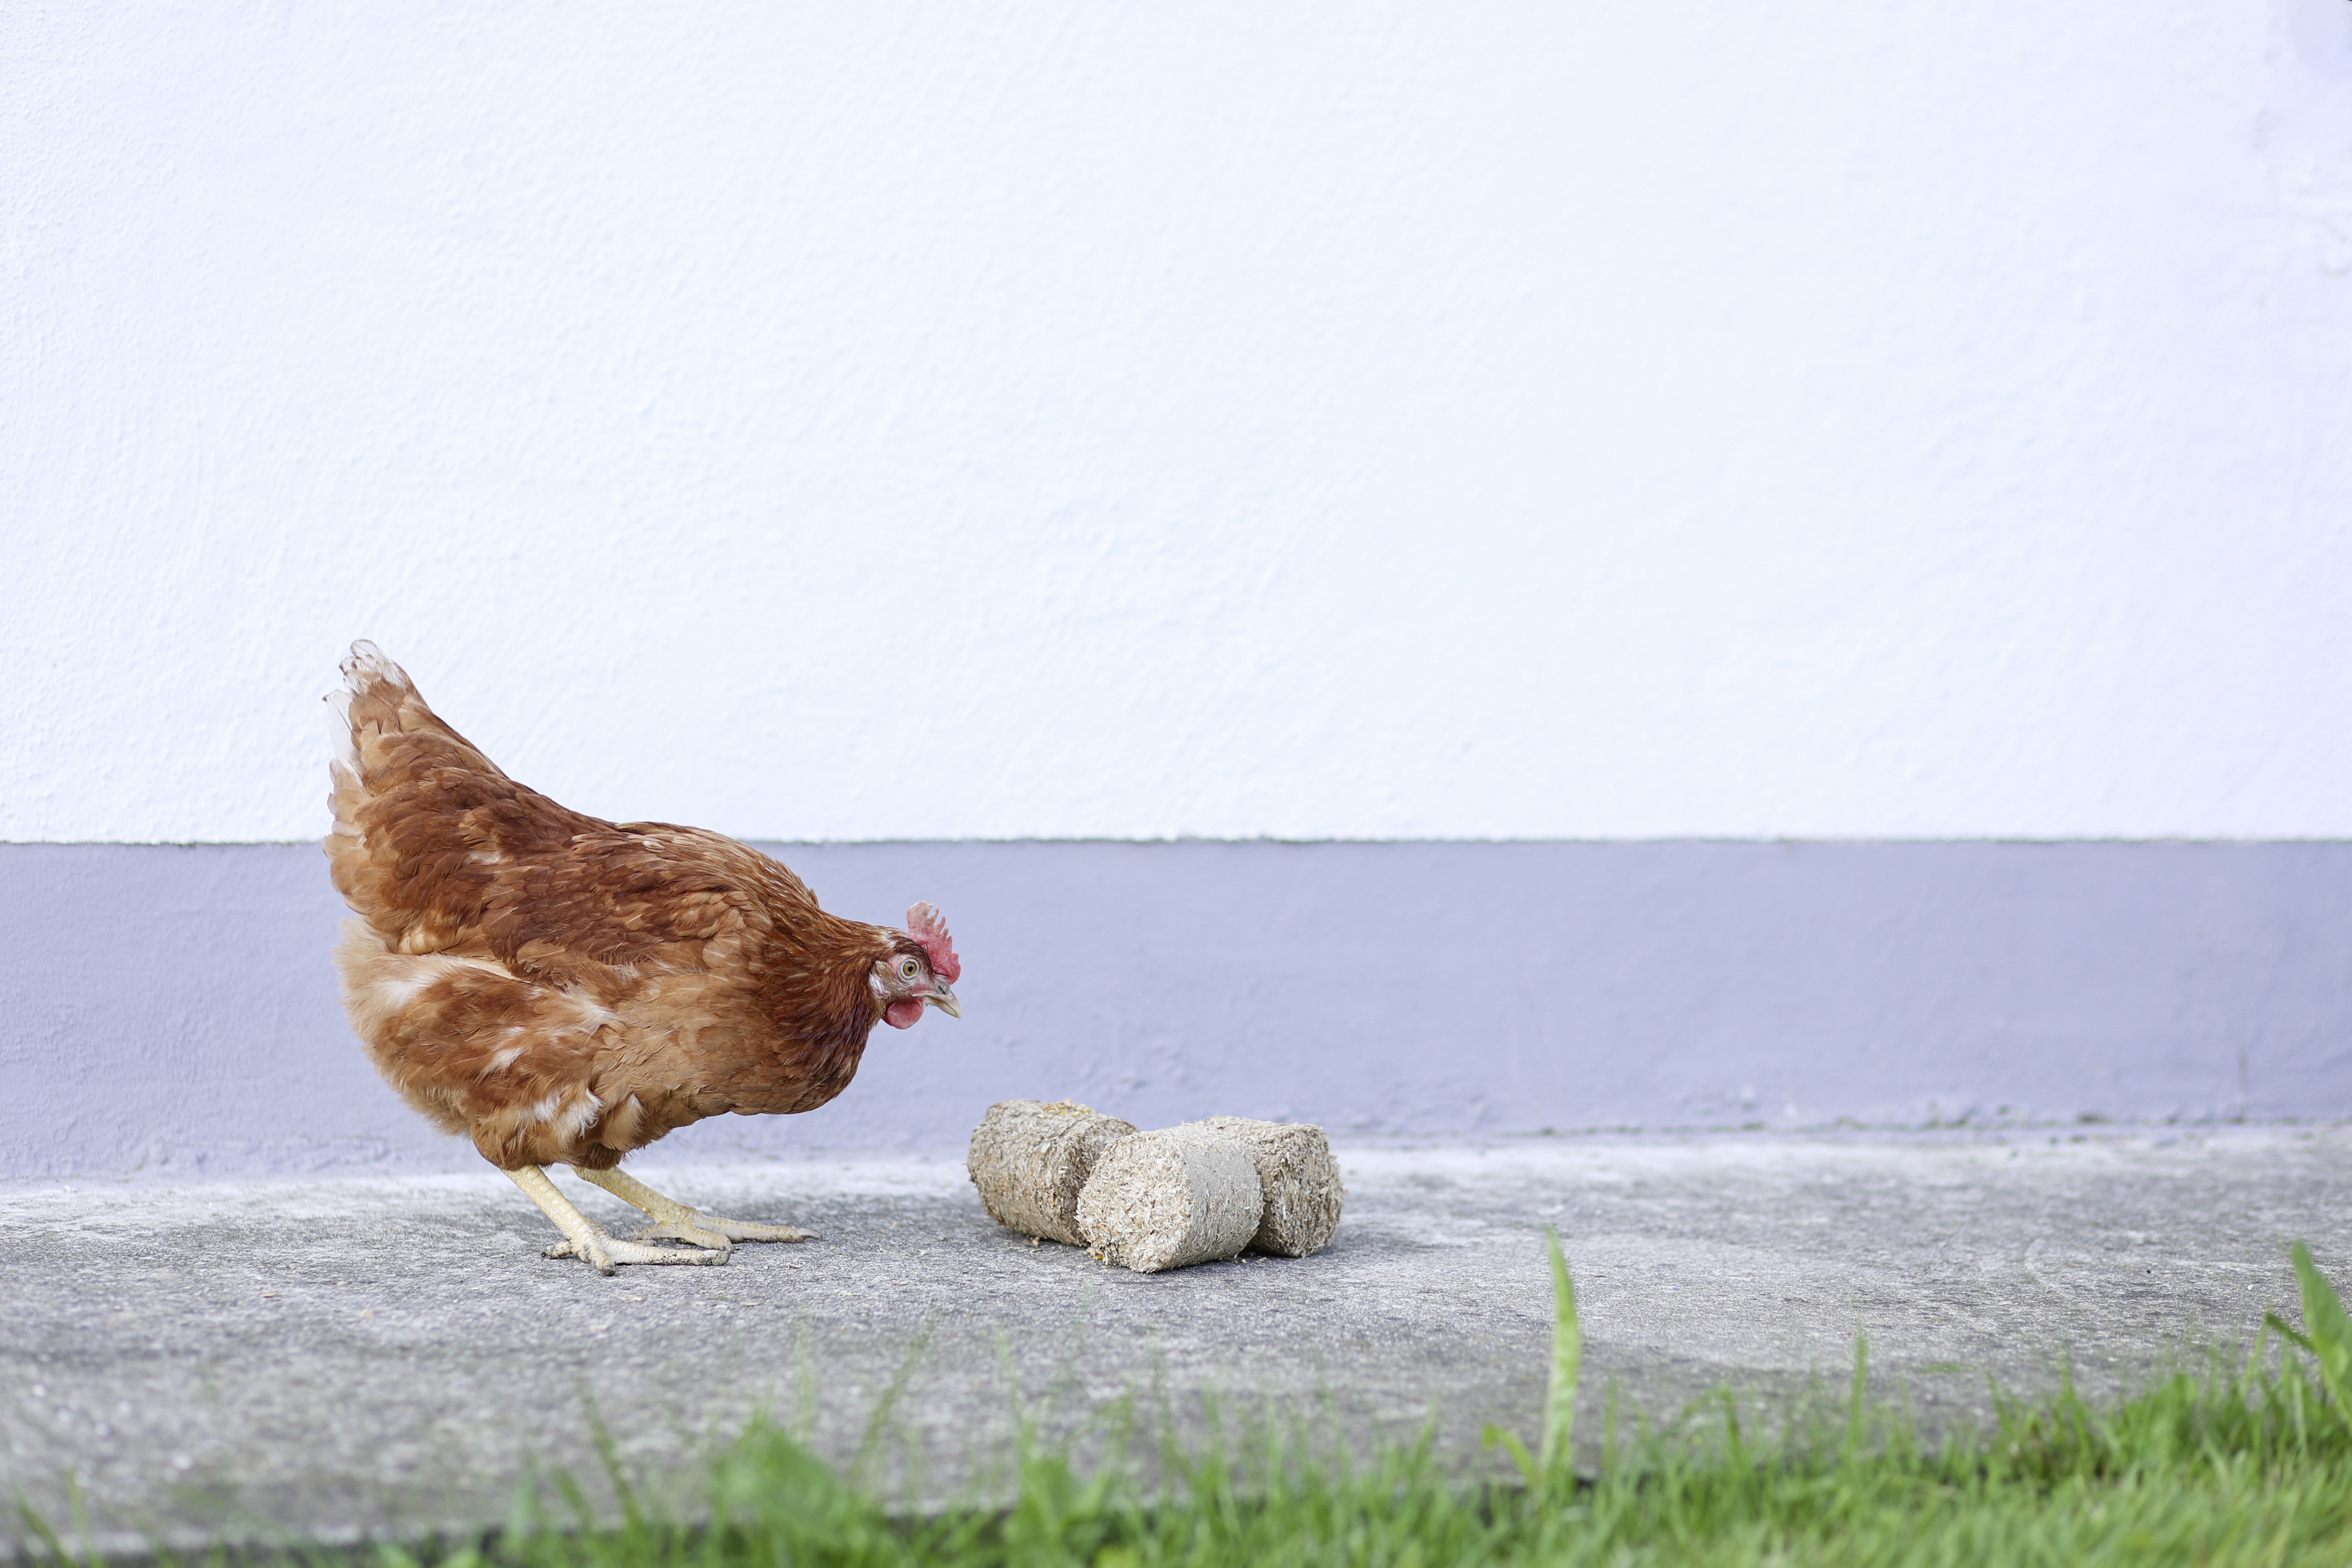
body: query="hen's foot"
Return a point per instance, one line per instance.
(705, 1230)
(583, 1238)
(675, 1221)
(606, 1253)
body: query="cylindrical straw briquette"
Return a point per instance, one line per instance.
(1182, 1195)
(1301, 1181)
(1029, 1161)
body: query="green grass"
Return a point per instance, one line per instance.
(2239, 1461)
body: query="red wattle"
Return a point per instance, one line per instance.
(902, 1014)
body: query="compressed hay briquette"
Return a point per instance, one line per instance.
(1030, 1159)
(1303, 1191)
(1182, 1195)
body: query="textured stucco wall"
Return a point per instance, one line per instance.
(1394, 426)
(171, 1009)
(1394, 422)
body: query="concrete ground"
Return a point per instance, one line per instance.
(330, 1356)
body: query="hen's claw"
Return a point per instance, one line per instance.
(704, 1230)
(606, 1253)
(710, 1239)
(675, 1221)
(584, 1239)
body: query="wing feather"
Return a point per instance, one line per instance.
(439, 851)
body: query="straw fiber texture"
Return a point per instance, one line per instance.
(1029, 1161)
(1168, 1199)
(1303, 1191)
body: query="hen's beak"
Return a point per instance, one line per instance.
(943, 999)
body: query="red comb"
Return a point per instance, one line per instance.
(930, 933)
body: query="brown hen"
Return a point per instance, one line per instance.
(565, 989)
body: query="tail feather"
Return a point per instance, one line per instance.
(402, 783)
(371, 681)
(386, 725)
(363, 669)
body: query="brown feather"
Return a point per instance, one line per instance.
(564, 988)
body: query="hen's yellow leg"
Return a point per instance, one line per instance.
(675, 1221)
(583, 1239)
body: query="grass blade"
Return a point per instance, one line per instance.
(2327, 1328)
(1554, 1456)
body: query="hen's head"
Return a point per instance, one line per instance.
(918, 971)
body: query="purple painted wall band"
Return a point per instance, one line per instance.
(171, 1009)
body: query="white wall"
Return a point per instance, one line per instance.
(1370, 421)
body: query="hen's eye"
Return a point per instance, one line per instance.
(908, 969)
